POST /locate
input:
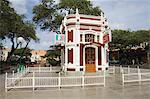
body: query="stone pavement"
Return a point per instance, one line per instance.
(113, 90)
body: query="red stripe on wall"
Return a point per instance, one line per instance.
(90, 18)
(71, 17)
(90, 25)
(71, 24)
(84, 24)
(92, 29)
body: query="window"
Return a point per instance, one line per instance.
(81, 38)
(98, 38)
(89, 38)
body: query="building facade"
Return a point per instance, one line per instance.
(86, 42)
(4, 53)
(37, 56)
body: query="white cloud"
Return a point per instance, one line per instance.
(46, 39)
(121, 14)
(125, 14)
(20, 6)
(118, 26)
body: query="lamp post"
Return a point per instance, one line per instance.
(21, 67)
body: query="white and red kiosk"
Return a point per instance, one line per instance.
(86, 42)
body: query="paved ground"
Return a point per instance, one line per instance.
(113, 90)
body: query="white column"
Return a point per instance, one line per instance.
(83, 37)
(103, 56)
(66, 57)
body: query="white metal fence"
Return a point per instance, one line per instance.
(129, 74)
(111, 69)
(135, 75)
(35, 81)
(44, 69)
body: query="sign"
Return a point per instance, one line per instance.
(106, 38)
(59, 39)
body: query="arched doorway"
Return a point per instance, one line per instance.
(90, 60)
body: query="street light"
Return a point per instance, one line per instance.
(20, 40)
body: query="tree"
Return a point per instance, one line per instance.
(49, 15)
(125, 40)
(27, 52)
(84, 6)
(45, 15)
(12, 26)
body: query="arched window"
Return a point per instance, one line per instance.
(89, 37)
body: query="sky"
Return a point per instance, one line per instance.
(121, 14)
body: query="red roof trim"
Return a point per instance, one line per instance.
(90, 18)
(90, 25)
(71, 17)
(71, 24)
(92, 29)
(84, 24)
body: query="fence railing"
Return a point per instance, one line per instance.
(111, 69)
(137, 75)
(44, 69)
(58, 82)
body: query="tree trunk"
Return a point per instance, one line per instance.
(24, 50)
(13, 48)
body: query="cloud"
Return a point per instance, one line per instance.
(20, 6)
(125, 14)
(121, 14)
(46, 39)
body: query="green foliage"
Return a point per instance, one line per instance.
(26, 52)
(45, 15)
(84, 6)
(124, 38)
(53, 54)
(51, 57)
(12, 26)
(49, 15)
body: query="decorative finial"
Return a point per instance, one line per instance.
(66, 13)
(77, 11)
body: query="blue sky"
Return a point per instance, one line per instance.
(121, 14)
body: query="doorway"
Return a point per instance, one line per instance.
(90, 64)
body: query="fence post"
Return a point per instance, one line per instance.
(59, 81)
(50, 68)
(121, 69)
(139, 75)
(39, 69)
(104, 78)
(33, 81)
(122, 74)
(114, 69)
(82, 81)
(13, 73)
(128, 69)
(122, 79)
(6, 82)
